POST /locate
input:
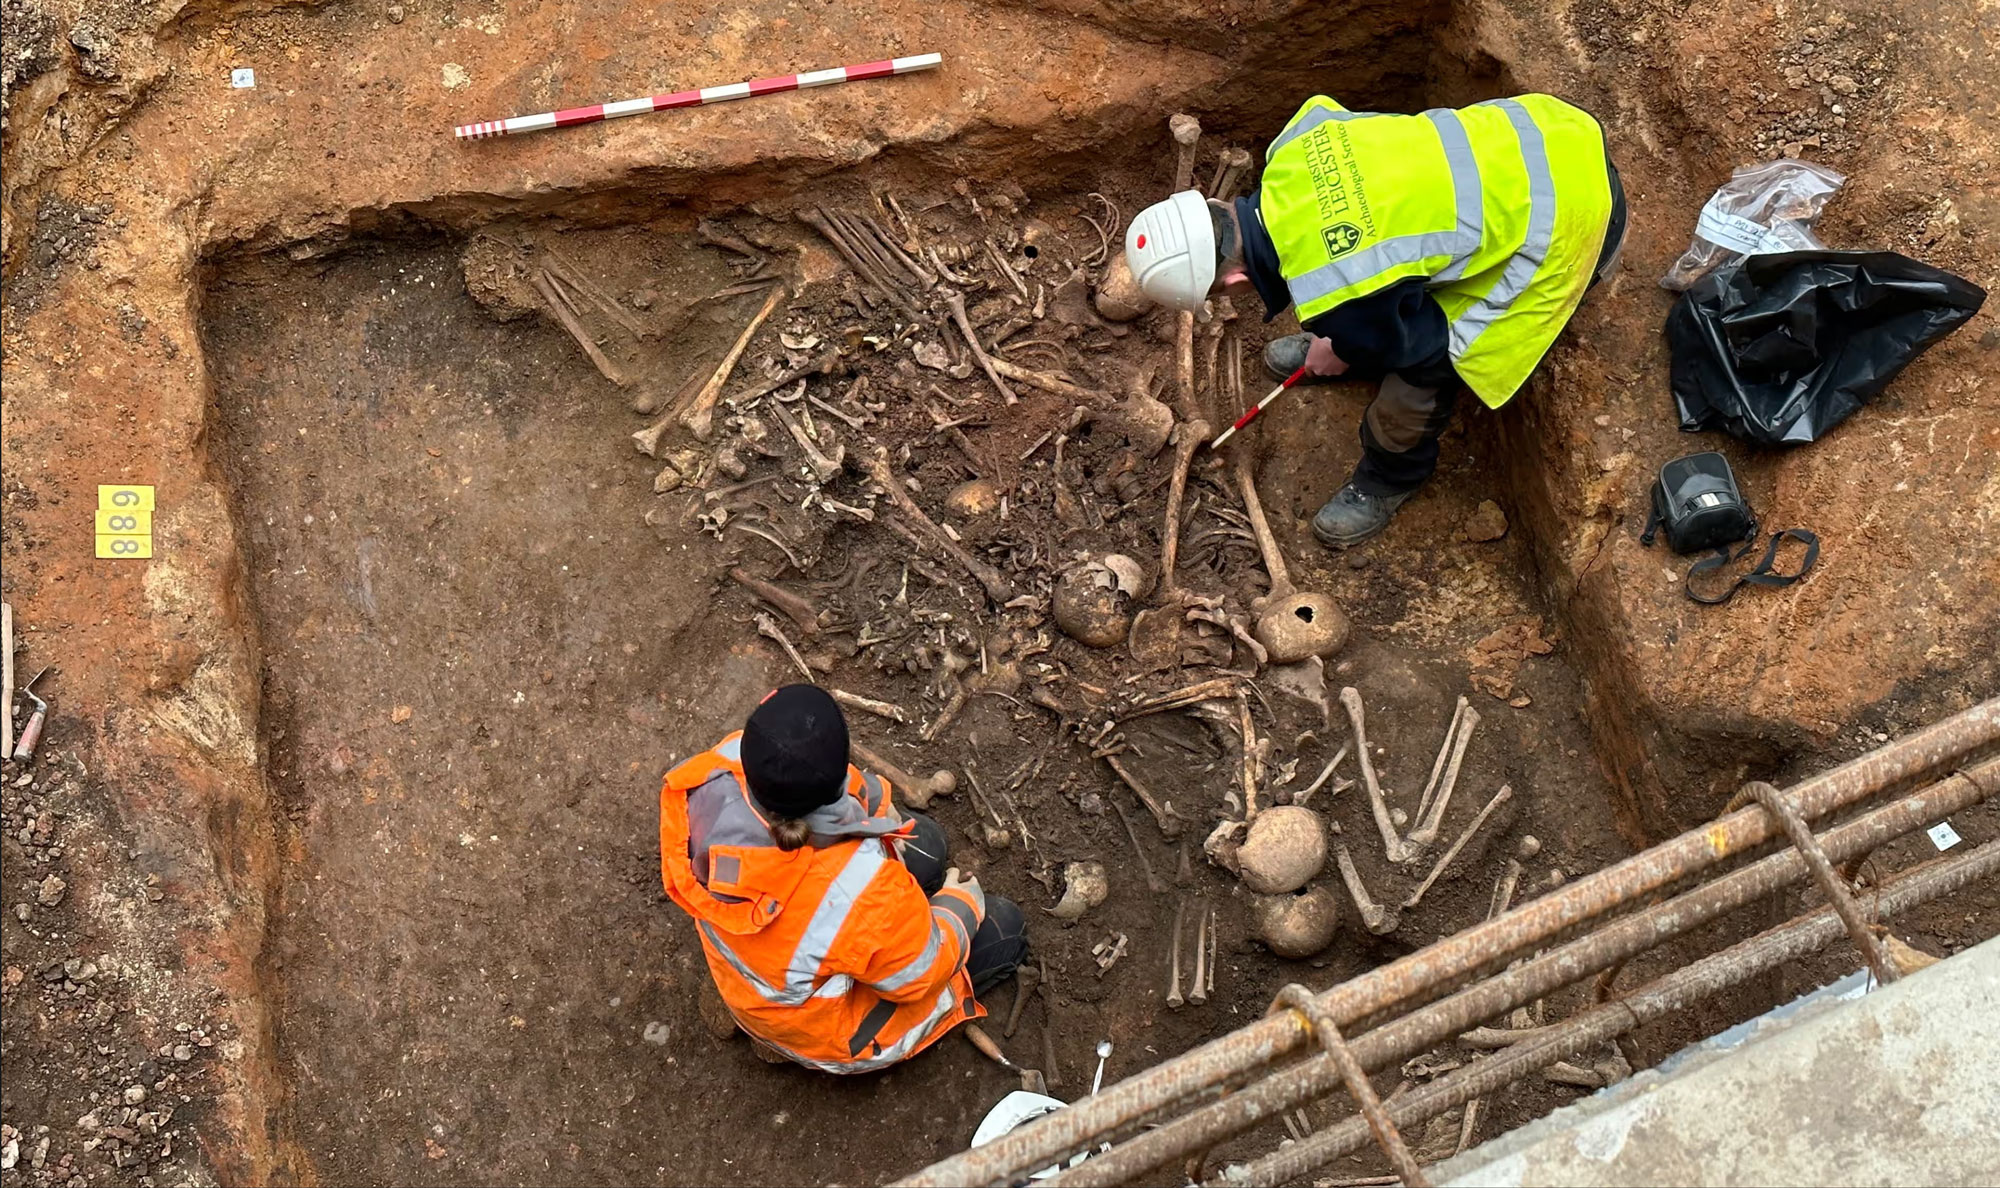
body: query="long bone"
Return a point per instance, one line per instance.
(1499, 798)
(1398, 850)
(1377, 918)
(1427, 828)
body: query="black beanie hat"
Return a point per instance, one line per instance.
(795, 751)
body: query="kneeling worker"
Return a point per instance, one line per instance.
(1421, 251)
(833, 929)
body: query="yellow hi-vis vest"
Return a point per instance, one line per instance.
(1501, 206)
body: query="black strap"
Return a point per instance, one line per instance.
(1760, 574)
(1652, 526)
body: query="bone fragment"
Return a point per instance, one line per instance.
(997, 588)
(1199, 993)
(1039, 379)
(1377, 918)
(1300, 798)
(1006, 270)
(1398, 852)
(880, 709)
(796, 607)
(565, 271)
(1247, 727)
(1169, 825)
(1189, 437)
(1215, 689)
(700, 414)
(1174, 998)
(1209, 986)
(1503, 890)
(1026, 979)
(1427, 828)
(1186, 131)
(1499, 798)
(1444, 751)
(1229, 170)
(915, 792)
(956, 302)
(769, 629)
(823, 365)
(1153, 882)
(567, 317)
(823, 467)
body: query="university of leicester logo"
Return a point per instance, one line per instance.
(1340, 239)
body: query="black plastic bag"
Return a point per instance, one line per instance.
(1787, 346)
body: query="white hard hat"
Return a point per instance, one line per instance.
(1170, 248)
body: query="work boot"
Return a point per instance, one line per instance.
(1285, 355)
(1353, 516)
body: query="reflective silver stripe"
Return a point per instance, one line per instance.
(1461, 243)
(1467, 190)
(1527, 260)
(763, 988)
(802, 970)
(831, 914)
(946, 1004)
(731, 749)
(920, 965)
(1372, 261)
(1309, 121)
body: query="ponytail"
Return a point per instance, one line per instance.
(792, 834)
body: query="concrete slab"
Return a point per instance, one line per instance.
(1896, 1087)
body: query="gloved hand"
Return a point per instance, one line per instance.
(967, 886)
(1320, 359)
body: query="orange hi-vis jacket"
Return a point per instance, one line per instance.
(829, 953)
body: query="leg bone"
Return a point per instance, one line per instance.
(1376, 918)
(1398, 850)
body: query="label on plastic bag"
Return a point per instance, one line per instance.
(1731, 231)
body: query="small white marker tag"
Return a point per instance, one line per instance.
(242, 77)
(1943, 836)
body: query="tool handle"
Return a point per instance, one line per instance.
(986, 1046)
(24, 749)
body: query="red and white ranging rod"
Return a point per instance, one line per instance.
(743, 90)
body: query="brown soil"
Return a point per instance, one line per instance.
(353, 786)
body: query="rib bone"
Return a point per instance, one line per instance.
(1375, 917)
(1398, 851)
(1499, 798)
(1427, 826)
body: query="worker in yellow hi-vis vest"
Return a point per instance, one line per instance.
(1421, 251)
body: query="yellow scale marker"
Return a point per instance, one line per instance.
(124, 522)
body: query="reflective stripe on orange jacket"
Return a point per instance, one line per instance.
(829, 953)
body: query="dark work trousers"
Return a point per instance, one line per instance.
(1001, 944)
(1411, 410)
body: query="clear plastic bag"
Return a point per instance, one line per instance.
(1766, 207)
